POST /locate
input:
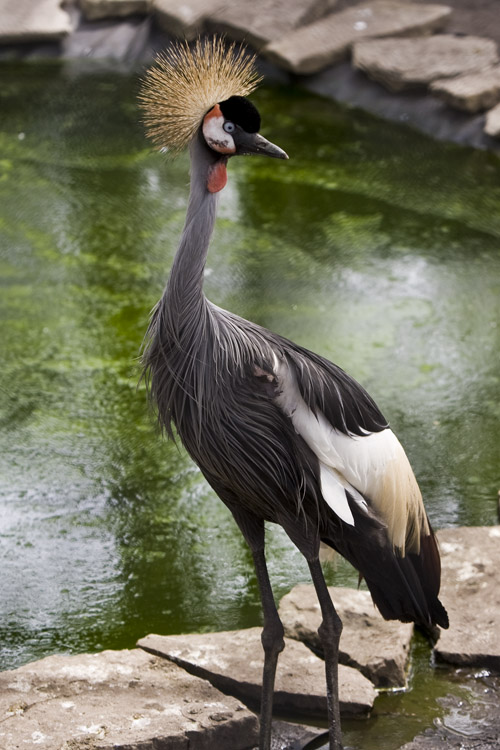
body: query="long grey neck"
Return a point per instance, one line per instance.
(184, 292)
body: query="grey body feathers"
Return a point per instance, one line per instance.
(212, 377)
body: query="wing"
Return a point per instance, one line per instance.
(326, 388)
(366, 479)
(360, 458)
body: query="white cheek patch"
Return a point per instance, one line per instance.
(216, 137)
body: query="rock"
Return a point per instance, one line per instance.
(256, 23)
(233, 661)
(405, 63)
(26, 21)
(328, 40)
(184, 19)
(262, 21)
(117, 699)
(95, 9)
(377, 647)
(492, 126)
(470, 591)
(473, 92)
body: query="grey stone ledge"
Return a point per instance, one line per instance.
(184, 19)
(378, 648)
(473, 92)
(263, 21)
(400, 64)
(233, 661)
(470, 591)
(28, 21)
(329, 40)
(120, 700)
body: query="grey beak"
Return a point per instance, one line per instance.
(254, 143)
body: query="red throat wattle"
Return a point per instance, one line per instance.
(217, 177)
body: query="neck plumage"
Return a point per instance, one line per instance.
(184, 293)
(179, 335)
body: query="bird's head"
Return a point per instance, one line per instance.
(200, 93)
(232, 128)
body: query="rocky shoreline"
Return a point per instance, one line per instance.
(433, 66)
(201, 691)
(438, 70)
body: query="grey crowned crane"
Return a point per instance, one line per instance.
(280, 433)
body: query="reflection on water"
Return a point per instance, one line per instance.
(372, 245)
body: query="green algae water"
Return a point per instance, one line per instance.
(373, 245)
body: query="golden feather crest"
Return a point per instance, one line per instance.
(186, 82)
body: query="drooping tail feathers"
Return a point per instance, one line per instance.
(403, 588)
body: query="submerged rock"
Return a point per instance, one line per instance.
(233, 661)
(470, 591)
(377, 647)
(118, 699)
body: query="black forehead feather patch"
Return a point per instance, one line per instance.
(242, 112)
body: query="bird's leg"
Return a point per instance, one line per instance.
(273, 644)
(253, 530)
(329, 632)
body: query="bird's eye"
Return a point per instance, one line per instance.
(229, 127)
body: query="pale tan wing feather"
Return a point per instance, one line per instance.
(372, 466)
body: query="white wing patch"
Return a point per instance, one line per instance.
(334, 494)
(374, 466)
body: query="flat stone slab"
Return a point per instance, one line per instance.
(329, 40)
(470, 591)
(123, 700)
(492, 125)
(28, 21)
(233, 661)
(184, 19)
(263, 21)
(95, 9)
(378, 648)
(407, 63)
(471, 93)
